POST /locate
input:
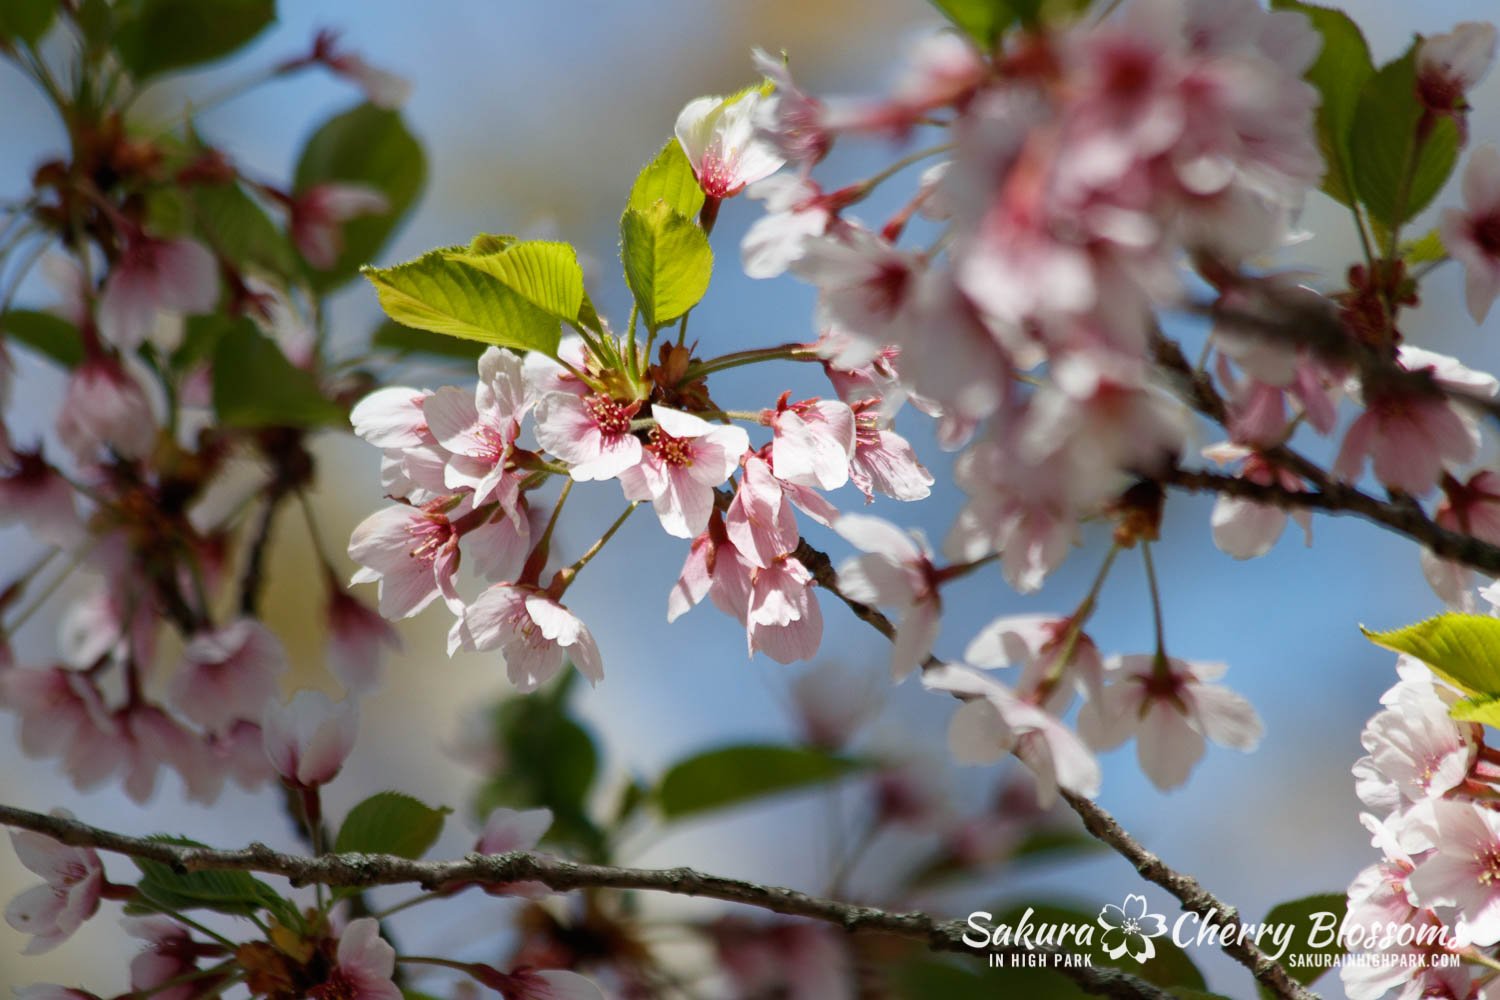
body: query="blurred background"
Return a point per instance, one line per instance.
(535, 118)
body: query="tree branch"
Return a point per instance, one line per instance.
(368, 870)
(1190, 892)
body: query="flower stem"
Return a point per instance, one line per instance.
(782, 352)
(564, 577)
(1156, 615)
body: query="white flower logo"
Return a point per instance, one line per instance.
(1129, 928)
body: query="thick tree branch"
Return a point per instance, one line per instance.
(368, 870)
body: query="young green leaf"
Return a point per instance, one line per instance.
(667, 261)
(1396, 175)
(1341, 70)
(1302, 915)
(445, 291)
(981, 20)
(156, 36)
(542, 273)
(391, 823)
(256, 386)
(370, 146)
(733, 775)
(668, 178)
(1425, 249)
(48, 335)
(232, 892)
(392, 336)
(27, 20)
(1463, 650)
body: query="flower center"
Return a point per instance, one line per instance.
(429, 534)
(671, 450)
(1486, 233)
(609, 416)
(1489, 865)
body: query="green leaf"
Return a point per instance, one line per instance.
(1394, 175)
(1341, 70)
(668, 178)
(551, 761)
(229, 220)
(733, 775)
(155, 36)
(1298, 914)
(256, 386)
(232, 892)
(390, 823)
(392, 336)
(1463, 650)
(667, 262)
(1425, 249)
(981, 20)
(48, 335)
(1481, 708)
(27, 20)
(544, 274)
(925, 978)
(370, 146)
(443, 291)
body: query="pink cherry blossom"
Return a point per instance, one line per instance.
(814, 442)
(33, 494)
(1243, 528)
(1472, 234)
(760, 521)
(895, 571)
(683, 462)
(1464, 871)
(62, 714)
(358, 638)
(590, 433)
(796, 211)
(228, 674)
(1451, 64)
(721, 142)
(392, 417)
(791, 120)
(479, 429)
(1036, 644)
(533, 632)
(364, 966)
(150, 739)
(308, 739)
(1470, 508)
(105, 406)
(783, 619)
(1417, 751)
(864, 284)
(170, 953)
(1408, 435)
(1166, 705)
(151, 277)
(507, 830)
(412, 552)
(832, 702)
(74, 882)
(992, 722)
(382, 88)
(318, 215)
(715, 569)
(884, 462)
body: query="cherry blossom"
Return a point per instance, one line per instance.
(412, 552)
(719, 136)
(1462, 872)
(228, 674)
(685, 459)
(364, 966)
(318, 215)
(895, 571)
(590, 433)
(309, 738)
(1166, 704)
(105, 406)
(1058, 660)
(1449, 65)
(1243, 528)
(479, 430)
(992, 722)
(795, 212)
(155, 276)
(783, 619)
(814, 442)
(51, 912)
(533, 632)
(1472, 234)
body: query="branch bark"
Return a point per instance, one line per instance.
(369, 870)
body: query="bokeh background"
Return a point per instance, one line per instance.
(535, 117)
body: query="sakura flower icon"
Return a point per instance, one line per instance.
(1130, 928)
